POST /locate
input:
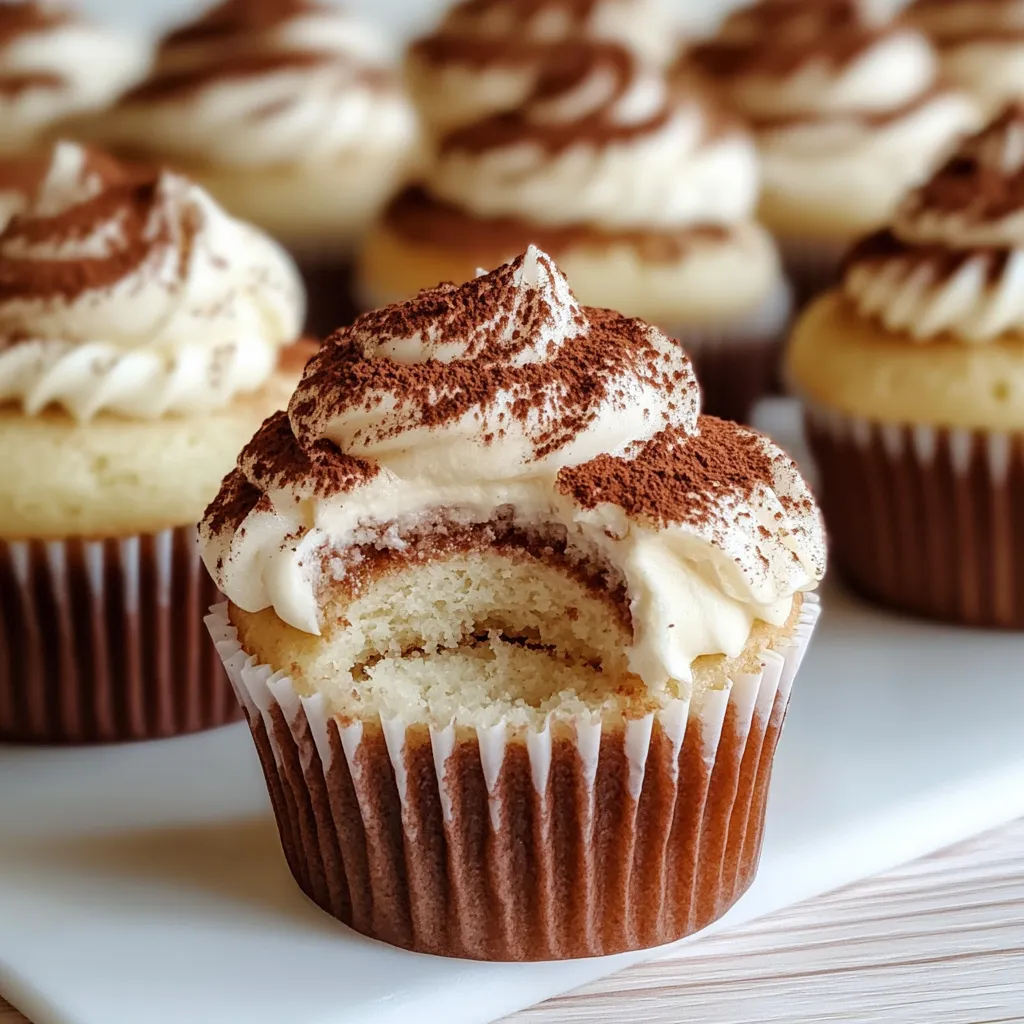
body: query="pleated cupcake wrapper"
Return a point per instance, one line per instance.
(737, 362)
(500, 843)
(924, 519)
(101, 640)
(812, 265)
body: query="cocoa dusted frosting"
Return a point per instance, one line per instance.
(128, 290)
(260, 83)
(54, 64)
(485, 55)
(952, 262)
(506, 394)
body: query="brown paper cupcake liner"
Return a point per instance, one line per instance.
(502, 844)
(101, 640)
(738, 363)
(812, 266)
(926, 520)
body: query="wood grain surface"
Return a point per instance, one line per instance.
(938, 941)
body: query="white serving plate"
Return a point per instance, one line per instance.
(145, 882)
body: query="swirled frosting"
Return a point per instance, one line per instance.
(486, 55)
(261, 84)
(981, 43)
(601, 140)
(847, 106)
(952, 262)
(506, 394)
(130, 292)
(54, 64)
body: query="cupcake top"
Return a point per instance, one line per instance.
(507, 394)
(485, 55)
(982, 43)
(847, 105)
(130, 291)
(54, 64)
(20, 177)
(263, 83)
(952, 263)
(602, 140)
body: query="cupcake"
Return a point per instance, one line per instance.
(53, 64)
(644, 194)
(914, 373)
(514, 625)
(485, 56)
(980, 43)
(290, 116)
(849, 113)
(140, 330)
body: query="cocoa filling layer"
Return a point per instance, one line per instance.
(419, 217)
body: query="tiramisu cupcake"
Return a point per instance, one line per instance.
(289, 114)
(914, 372)
(981, 45)
(140, 330)
(644, 194)
(485, 55)
(514, 625)
(849, 113)
(53, 64)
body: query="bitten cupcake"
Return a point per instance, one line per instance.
(848, 111)
(140, 330)
(54, 64)
(981, 44)
(485, 55)
(289, 114)
(914, 374)
(514, 625)
(644, 195)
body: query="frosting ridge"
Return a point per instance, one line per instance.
(130, 291)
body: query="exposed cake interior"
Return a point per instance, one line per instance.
(478, 625)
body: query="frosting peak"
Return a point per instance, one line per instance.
(257, 83)
(53, 65)
(507, 398)
(603, 140)
(953, 260)
(130, 291)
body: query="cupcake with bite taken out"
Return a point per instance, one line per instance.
(644, 194)
(55, 64)
(514, 624)
(485, 55)
(849, 112)
(289, 113)
(141, 333)
(913, 370)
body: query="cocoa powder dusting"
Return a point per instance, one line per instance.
(18, 19)
(675, 478)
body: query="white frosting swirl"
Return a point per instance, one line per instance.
(54, 65)
(602, 141)
(137, 297)
(486, 55)
(306, 86)
(953, 262)
(508, 389)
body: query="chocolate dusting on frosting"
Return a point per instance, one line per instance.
(23, 18)
(675, 477)
(418, 216)
(943, 262)
(233, 18)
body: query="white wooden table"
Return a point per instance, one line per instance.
(939, 941)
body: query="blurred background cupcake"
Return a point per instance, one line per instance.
(485, 55)
(848, 110)
(290, 114)
(981, 44)
(644, 194)
(914, 374)
(140, 332)
(54, 64)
